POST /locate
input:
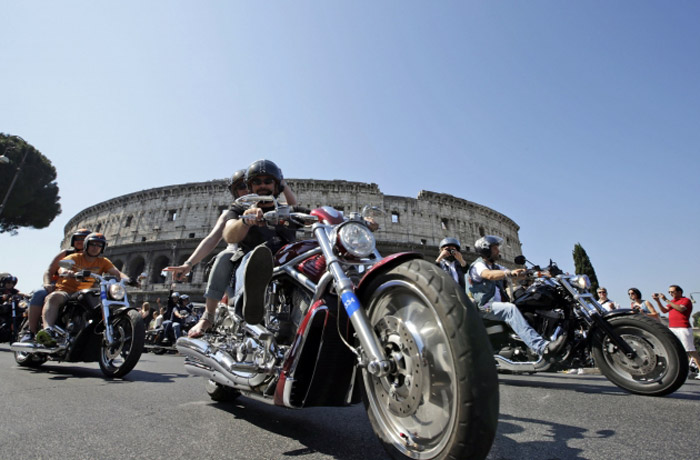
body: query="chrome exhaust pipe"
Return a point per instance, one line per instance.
(204, 360)
(527, 366)
(29, 347)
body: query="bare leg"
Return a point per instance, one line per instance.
(203, 325)
(51, 305)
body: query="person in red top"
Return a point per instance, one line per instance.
(679, 309)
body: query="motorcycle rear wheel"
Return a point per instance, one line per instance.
(441, 401)
(129, 332)
(661, 365)
(32, 360)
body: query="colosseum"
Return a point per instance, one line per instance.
(151, 229)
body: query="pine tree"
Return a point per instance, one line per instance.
(583, 266)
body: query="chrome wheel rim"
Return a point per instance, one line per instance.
(415, 405)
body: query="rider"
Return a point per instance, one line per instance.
(220, 275)
(487, 286)
(7, 286)
(171, 317)
(89, 259)
(50, 276)
(257, 241)
(451, 260)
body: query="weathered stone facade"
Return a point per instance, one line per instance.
(154, 228)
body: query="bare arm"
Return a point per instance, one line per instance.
(53, 267)
(289, 194)
(203, 249)
(495, 275)
(237, 229)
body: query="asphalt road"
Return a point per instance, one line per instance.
(69, 411)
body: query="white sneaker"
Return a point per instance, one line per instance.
(697, 377)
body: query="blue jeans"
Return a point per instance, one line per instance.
(508, 312)
(220, 275)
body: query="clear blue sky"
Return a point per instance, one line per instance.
(579, 120)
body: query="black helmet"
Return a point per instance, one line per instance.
(237, 179)
(7, 278)
(78, 233)
(95, 237)
(483, 244)
(264, 168)
(450, 242)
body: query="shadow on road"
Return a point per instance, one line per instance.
(318, 429)
(553, 445)
(65, 372)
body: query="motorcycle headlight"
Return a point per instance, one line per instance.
(582, 282)
(116, 290)
(355, 239)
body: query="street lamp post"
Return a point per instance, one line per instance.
(14, 179)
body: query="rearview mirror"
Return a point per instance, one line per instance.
(66, 263)
(520, 260)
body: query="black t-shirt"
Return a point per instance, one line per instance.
(274, 238)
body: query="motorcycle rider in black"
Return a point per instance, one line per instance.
(257, 241)
(487, 287)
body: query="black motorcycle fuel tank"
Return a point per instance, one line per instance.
(542, 297)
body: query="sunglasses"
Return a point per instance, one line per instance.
(240, 186)
(266, 181)
(602, 292)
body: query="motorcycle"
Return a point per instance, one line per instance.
(11, 316)
(97, 324)
(344, 325)
(156, 340)
(633, 351)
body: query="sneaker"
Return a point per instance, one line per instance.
(697, 377)
(47, 337)
(27, 337)
(257, 273)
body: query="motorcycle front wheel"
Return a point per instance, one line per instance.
(441, 399)
(660, 364)
(128, 331)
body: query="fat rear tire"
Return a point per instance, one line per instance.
(661, 364)
(442, 400)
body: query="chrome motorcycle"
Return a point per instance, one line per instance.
(634, 352)
(344, 325)
(97, 324)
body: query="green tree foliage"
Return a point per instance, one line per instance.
(33, 201)
(583, 266)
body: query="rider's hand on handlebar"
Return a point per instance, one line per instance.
(257, 214)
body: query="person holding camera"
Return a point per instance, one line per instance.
(451, 260)
(679, 309)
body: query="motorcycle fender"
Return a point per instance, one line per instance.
(382, 267)
(596, 329)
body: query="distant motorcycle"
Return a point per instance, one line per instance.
(156, 340)
(634, 352)
(11, 317)
(342, 325)
(97, 324)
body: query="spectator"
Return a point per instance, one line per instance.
(679, 309)
(450, 259)
(642, 306)
(146, 313)
(603, 300)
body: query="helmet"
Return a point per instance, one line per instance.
(95, 237)
(483, 244)
(184, 297)
(175, 295)
(6, 278)
(450, 241)
(264, 168)
(78, 233)
(237, 179)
